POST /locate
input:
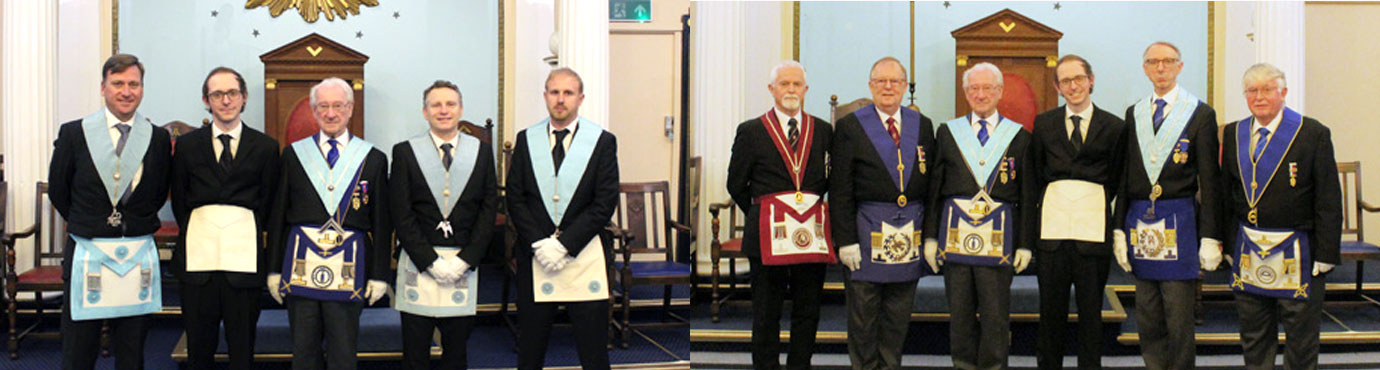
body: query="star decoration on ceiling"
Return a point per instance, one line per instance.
(359, 34)
(1057, 6)
(946, 5)
(395, 15)
(255, 33)
(214, 13)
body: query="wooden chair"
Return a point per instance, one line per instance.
(1354, 208)
(690, 215)
(731, 247)
(837, 111)
(42, 277)
(647, 253)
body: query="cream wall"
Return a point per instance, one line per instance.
(1340, 77)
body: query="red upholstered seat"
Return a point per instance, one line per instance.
(734, 245)
(168, 230)
(42, 275)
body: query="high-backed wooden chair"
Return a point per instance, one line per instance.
(647, 256)
(837, 111)
(730, 247)
(46, 274)
(1354, 244)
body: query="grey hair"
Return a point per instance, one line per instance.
(1262, 72)
(984, 66)
(1177, 54)
(884, 60)
(783, 65)
(333, 82)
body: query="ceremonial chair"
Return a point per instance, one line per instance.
(647, 252)
(731, 247)
(1354, 208)
(690, 214)
(837, 111)
(47, 247)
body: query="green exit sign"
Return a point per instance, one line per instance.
(639, 11)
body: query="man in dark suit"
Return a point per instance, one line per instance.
(983, 209)
(562, 191)
(444, 199)
(330, 214)
(878, 187)
(108, 178)
(1078, 152)
(1283, 198)
(223, 178)
(778, 154)
(1168, 207)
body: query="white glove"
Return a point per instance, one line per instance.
(460, 267)
(560, 263)
(1321, 267)
(851, 257)
(1209, 253)
(551, 254)
(442, 270)
(1119, 250)
(274, 280)
(1022, 260)
(376, 290)
(931, 250)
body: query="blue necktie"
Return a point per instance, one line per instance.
(982, 131)
(1260, 144)
(1159, 113)
(334, 154)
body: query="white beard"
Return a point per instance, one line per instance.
(791, 102)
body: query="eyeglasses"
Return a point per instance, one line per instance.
(989, 89)
(1079, 79)
(888, 81)
(218, 95)
(338, 107)
(1161, 62)
(1259, 91)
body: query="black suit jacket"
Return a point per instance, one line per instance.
(755, 169)
(1199, 177)
(858, 174)
(954, 179)
(295, 202)
(199, 180)
(1100, 161)
(77, 193)
(1313, 204)
(589, 210)
(416, 214)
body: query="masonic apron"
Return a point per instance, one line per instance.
(794, 225)
(586, 277)
(326, 262)
(420, 293)
(979, 230)
(1163, 233)
(115, 277)
(889, 232)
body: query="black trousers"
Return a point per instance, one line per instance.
(335, 323)
(1164, 314)
(205, 307)
(979, 342)
(416, 336)
(878, 319)
(1260, 319)
(771, 285)
(1061, 269)
(81, 340)
(590, 319)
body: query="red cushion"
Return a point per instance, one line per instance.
(735, 245)
(42, 275)
(169, 230)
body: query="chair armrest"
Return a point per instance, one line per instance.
(8, 239)
(1368, 207)
(715, 207)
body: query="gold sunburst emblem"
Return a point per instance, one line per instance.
(311, 10)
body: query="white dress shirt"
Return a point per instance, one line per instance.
(992, 121)
(1255, 130)
(783, 120)
(234, 139)
(437, 142)
(565, 142)
(1169, 99)
(325, 145)
(1084, 124)
(896, 116)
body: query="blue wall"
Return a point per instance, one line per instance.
(840, 41)
(180, 41)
